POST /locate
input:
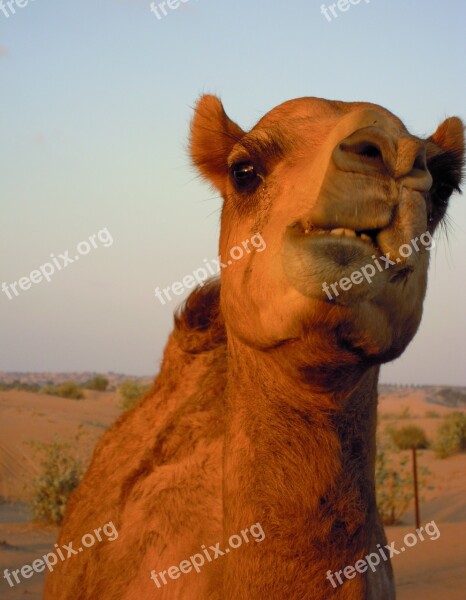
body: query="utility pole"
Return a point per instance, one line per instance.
(416, 492)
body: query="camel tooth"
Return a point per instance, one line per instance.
(365, 238)
(343, 231)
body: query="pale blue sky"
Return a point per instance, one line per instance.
(95, 104)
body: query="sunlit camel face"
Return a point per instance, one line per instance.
(346, 201)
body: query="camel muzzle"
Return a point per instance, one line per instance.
(374, 151)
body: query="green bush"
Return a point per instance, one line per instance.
(97, 383)
(451, 437)
(394, 488)
(61, 473)
(408, 437)
(67, 389)
(131, 393)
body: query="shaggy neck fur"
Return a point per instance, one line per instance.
(299, 459)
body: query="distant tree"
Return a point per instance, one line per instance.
(97, 383)
(68, 389)
(410, 436)
(451, 437)
(131, 393)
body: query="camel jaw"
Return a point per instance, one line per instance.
(314, 257)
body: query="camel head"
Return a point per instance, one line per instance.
(341, 194)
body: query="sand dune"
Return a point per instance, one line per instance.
(26, 417)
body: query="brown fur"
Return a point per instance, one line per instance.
(265, 406)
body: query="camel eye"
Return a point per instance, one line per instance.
(244, 174)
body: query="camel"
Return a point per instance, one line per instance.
(263, 416)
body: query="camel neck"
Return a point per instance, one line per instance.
(299, 459)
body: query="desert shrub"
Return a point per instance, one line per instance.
(51, 490)
(405, 413)
(97, 383)
(29, 387)
(67, 389)
(394, 488)
(432, 414)
(17, 385)
(451, 437)
(131, 393)
(387, 416)
(410, 436)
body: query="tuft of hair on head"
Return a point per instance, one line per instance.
(199, 324)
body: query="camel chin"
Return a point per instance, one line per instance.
(364, 275)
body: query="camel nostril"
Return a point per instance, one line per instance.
(367, 149)
(371, 151)
(420, 162)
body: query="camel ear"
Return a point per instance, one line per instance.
(450, 135)
(445, 161)
(213, 135)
